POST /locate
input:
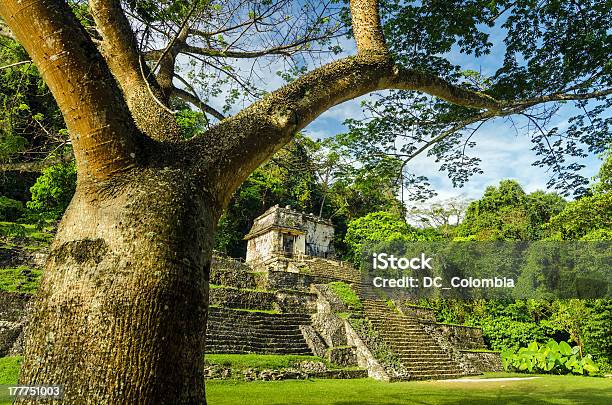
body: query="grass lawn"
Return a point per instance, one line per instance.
(33, 237)
(22, 279)
(545, 390)
(258, 361)
(9, 369)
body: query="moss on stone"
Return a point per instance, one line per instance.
(259, 361)
(346, 294)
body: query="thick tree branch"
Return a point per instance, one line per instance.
(142, 92)
(101, 129)
(261, 129)
(366, 27)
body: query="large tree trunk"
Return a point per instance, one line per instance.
(121, 313)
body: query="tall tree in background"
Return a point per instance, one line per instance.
(121, 312)
(506, 212)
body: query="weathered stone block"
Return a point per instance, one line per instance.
(343, 356)
(484, 361)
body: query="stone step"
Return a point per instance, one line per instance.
(247, 323)
(416, 352)
(269, 345)
(410, 343)
(431, 355)
(415, 348)
(260, 345)
(276, 318)
(247, 349)
(419, 365)
(435, 376)
(224, 313)
(417, 355)
(399, 336)
(416, 373)
(227, 345)
(433, 370)
(252, 329)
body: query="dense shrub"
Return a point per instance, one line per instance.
(503, 332)
(552, 358)
(597, 332)
(10, 210)
(382, 226)
(53, 191)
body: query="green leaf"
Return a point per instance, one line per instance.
(565, 349)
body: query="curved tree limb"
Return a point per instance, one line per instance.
(262, 128)
(103, 136)
(122, 55)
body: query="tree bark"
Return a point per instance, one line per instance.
(121, 313)
(103, 135)
(142, 91)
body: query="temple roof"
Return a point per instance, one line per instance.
(283, 219)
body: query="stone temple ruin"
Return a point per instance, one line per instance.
(281, 301)
(284, 300)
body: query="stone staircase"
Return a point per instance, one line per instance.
(236, 331)
(420, 354)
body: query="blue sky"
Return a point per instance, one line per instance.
(504, 153)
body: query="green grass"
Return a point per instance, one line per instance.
(22, 279)
(548, 389)
(343, 315)
(9, 369)
(545, 390)
(346, 294)
(258, 361)
(28, 231)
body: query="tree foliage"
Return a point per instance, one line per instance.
(549, 47)
(506, 212)
(588, 218)
(53, 191)
(31, 125)
(381, 227)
